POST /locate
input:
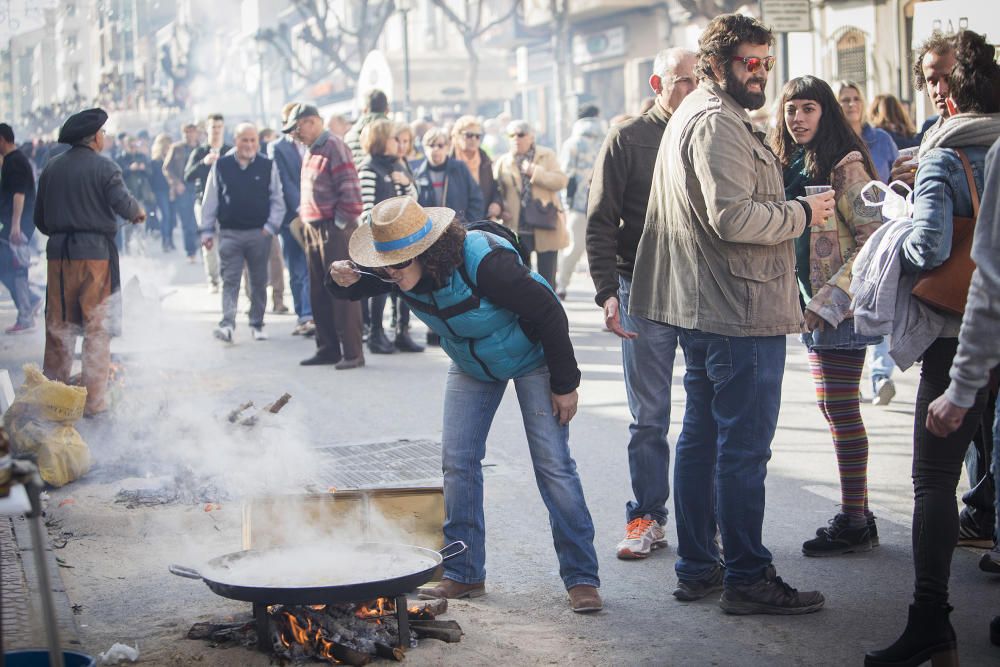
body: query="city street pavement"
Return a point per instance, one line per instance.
(119, 555)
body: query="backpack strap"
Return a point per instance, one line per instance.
(972, 182)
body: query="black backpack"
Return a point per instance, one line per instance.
(506, 233)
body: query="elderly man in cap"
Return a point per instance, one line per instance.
(330, 206)
(79, 194)
(243, 196)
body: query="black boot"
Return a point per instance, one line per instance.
(404, 343)
(433, 338)
(379, 343)
(928, 636)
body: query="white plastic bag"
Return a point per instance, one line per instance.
(118, 653)
(894, 206)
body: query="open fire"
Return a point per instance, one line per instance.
(351, 634)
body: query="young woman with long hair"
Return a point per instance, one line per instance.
(817, 146)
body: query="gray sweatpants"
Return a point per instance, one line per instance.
(237, 246)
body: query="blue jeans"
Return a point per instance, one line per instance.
(649, 368)
(165, 210)
(298, 274)
(733, 387)
(882, 364)
(469, 408)
(996, 469)
(184, 209)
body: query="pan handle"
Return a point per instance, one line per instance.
(186, 572)
(462, 548)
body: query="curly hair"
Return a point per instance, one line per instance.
(975, 81)
(938, 44)
(440, 260)
(722, 38)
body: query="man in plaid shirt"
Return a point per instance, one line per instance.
(330, 206)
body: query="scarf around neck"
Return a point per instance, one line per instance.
(964, 130)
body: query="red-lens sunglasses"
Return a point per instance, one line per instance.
(754, 64)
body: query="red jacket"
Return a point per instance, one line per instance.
(330, 186)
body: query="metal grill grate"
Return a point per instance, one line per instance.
(377, 464)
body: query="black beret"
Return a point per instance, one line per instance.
(81, 125)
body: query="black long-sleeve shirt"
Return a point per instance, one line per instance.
(507, 283)
(196, 171)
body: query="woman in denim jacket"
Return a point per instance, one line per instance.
(817, 146)
(941, 192)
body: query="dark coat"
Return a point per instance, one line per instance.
(487, 183)
(286, 157)
(462, 193)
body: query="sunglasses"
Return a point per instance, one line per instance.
(472, 135)
(519, 135)
(754, 64)
(438, 146)
(380, 272)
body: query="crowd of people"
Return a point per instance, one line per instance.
(699, 232)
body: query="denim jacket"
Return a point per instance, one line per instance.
(941, 192)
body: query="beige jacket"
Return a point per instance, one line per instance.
(546, 183)
(717, 252)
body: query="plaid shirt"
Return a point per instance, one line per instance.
(330, 186)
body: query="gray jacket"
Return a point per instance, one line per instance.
(717, 251)
(978, 350)
(882, 301)
(578, 155)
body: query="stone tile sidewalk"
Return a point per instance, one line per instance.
(23, 626)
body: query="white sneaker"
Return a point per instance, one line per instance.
(258, 333)
(224, 334)
(641, 536)
(885, 390)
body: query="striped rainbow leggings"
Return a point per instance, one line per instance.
(837, 375)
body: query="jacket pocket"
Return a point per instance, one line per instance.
(758, 267)
(757, 270)
(768, 185)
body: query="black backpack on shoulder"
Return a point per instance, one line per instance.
(506, 233)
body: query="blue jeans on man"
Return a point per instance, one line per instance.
(649, 368)
(184, 210)
(733, 387)
(469, 408)
(298, 274)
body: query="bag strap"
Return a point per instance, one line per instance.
(972, 182)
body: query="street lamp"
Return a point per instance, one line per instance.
(404, 7)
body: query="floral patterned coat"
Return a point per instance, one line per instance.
(834, 244)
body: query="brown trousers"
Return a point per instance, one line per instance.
(338, 321)
(86, 290)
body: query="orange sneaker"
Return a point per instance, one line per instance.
(642, 535)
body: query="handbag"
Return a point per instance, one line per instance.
(537, 216)
(946, 287)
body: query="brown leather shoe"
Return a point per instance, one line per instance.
(585, 599)
(347, 364)
(452, 590)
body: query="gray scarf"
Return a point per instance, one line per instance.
(963, 130)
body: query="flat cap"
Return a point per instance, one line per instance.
(297, 112)
(81, 125)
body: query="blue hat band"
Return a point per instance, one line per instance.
(406, 241)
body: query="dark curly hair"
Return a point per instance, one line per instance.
(975, 81)
(938, 44)
(722, 38)
(440, 260)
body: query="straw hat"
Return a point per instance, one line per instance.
(400, 229)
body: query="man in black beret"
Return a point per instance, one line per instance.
(79, 194)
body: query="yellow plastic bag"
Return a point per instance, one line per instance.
(49, 400)
(40, 424)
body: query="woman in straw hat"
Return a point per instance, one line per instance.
(498, 321)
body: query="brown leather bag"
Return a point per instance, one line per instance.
(946, 287)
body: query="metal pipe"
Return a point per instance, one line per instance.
(34, 487)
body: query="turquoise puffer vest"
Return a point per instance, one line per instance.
(485, 341)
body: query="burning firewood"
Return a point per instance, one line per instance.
(447, 631)
(239, 415)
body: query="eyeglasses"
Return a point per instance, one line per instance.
(472, 135)
(519, 135)
(754, 64)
